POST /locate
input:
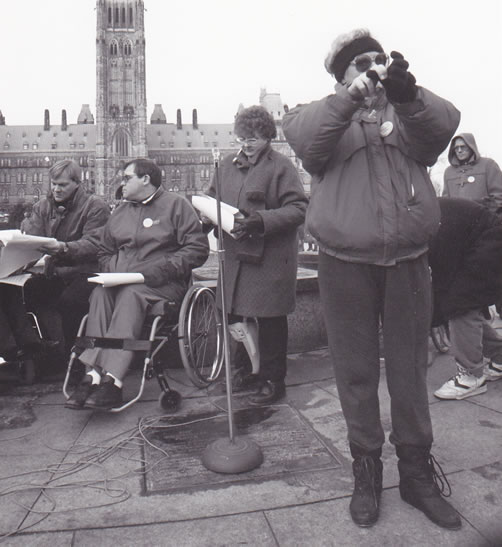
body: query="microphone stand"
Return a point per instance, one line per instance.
(232, 455)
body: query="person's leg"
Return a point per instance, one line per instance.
(273, 346)
(466, 337)
(407, 318)
(22, 328)
(73, 304)
(351, 302)
(131, 306)
(100, 312)
(492, 350)
(406, 324)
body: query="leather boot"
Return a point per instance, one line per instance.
(419, 475)
(367, 468)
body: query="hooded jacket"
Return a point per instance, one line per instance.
(372, 199)
(465, 258)
(480, 179)
(79, 223)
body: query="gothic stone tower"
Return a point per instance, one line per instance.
(120, 88)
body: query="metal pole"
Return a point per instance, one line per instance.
(221, 280)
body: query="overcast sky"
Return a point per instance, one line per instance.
(213, 55)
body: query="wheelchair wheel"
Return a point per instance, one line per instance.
(200, 336)
(440, 337)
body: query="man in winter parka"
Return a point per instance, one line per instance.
(471, 176)
(154, 233)
(466, 263)
(75, 218)
(373, 210)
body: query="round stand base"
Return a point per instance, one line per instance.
(239, 456)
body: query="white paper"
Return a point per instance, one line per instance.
(117, 278)
(18, 280)
(18, 250)
(208, 207)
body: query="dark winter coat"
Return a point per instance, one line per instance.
(465, 258)
(480, 179)
(160, 238)
(79, 223)
(372, 200)
(260, 272)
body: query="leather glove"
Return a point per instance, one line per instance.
(247, 226)
(400, 85)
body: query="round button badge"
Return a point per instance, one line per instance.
(148, 223)
(471, 179)
(386, 129)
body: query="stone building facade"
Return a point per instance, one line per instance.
(120, 131)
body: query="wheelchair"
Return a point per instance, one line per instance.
(198, 328)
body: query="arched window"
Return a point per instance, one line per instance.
(109, 16)
(114, 48)
(128, 48)
(121, 143)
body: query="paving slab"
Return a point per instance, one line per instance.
(250, 529)
(400, 525)
(48, 539)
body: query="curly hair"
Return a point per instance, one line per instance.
(255, 121)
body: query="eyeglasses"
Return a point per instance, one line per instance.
(127, 178)
(460, 148)
(363, 62)
(250, 141)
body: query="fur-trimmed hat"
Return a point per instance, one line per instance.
(347, 46)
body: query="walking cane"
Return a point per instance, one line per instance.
(232, 454)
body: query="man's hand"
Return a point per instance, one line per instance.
(247, 226)
(400, 85)
(52, 248)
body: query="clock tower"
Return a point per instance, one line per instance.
(120, 89)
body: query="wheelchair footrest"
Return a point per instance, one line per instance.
(129, 344)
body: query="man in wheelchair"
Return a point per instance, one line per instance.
(158, 235)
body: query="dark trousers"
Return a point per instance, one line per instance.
(273, 345)
(16, 329)
(355, 298)
(59, 306)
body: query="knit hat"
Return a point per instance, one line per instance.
(347, 46)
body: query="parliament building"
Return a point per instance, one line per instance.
(119, 130)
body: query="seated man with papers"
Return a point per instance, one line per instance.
(157, 236)
(73, 219)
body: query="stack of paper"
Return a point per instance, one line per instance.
(18, 249)
(117, 278)
(209, 208)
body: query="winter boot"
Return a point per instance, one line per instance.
(420, 477)
(367, 468)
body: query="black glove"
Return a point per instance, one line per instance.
(247, 226)
(400, 85)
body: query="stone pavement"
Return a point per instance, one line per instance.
(72, 478)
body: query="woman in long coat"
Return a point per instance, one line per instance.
(261, 258)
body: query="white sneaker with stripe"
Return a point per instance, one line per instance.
(461, 386)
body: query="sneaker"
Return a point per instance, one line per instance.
(492, 371)
(461, 386)
(106, 396)
(82, 392)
